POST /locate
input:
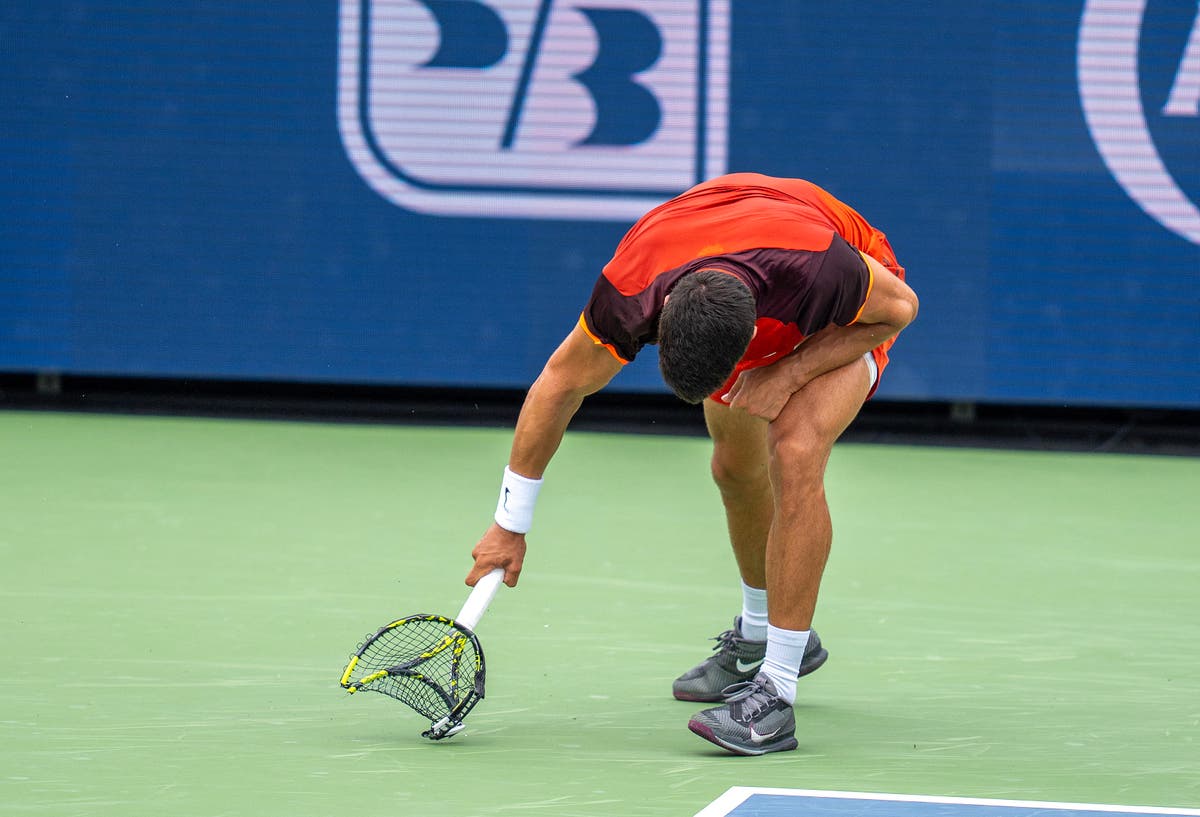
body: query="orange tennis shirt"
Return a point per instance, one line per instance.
(797, 247)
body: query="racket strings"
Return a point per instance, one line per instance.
(425, 662)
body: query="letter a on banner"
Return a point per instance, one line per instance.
(591, 110)
(1110, 90)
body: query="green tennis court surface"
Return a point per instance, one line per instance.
(179, 598)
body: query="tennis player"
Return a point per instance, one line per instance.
(775, 305)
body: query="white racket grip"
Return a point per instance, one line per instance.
(477, 603)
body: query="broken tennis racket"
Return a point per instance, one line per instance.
(430, 663)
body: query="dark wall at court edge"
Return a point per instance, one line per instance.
(423, 191)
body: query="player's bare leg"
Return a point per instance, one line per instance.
(800, 441)
(740, 470)
(757, 716)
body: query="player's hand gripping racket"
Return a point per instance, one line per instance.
(430, 663)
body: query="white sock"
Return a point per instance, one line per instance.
(785, 651)
(754, 613)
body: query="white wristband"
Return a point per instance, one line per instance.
(518, 495)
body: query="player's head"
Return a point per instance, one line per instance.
(706, 324)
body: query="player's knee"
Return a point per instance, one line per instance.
(738, 475)
(798, 459)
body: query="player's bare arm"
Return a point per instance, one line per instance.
(891, 305)
(578, 367)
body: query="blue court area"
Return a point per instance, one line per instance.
(749, 802)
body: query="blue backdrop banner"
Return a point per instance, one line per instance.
(423, 192)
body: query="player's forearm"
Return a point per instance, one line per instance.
(577, 368)
(544, 418)
(548, 409)
(836, 346)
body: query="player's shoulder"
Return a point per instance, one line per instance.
(790, 185)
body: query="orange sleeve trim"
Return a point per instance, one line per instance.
(611, 349)
(870, 286)
(719, 269)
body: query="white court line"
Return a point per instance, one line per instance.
(737, 795)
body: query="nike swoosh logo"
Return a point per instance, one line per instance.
(755, 737)
(742, 666)
(505, 505)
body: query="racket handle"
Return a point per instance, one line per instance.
(477, 603)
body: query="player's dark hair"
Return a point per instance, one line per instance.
(703, 331)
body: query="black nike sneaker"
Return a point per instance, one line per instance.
(736, 660)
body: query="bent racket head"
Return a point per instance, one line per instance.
(432, 664)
